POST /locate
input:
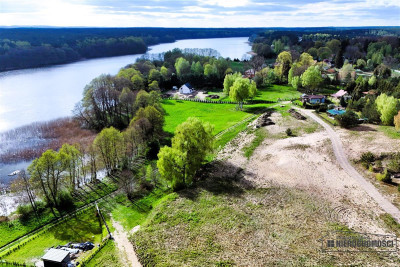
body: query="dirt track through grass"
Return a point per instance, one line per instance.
(385, 204)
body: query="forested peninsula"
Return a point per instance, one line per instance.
(22, 48)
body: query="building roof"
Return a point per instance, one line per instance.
(188, 85)
(55, 255)
(316, 96)
(339, 93)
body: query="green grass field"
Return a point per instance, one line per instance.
(107, 256)
(222, 116)
(390, 131)
(271, 93)
(81, 228)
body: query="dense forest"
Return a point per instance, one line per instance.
(34, 47)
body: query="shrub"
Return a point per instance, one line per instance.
(383, 177)
(25, 211)
(289, 132)
(65, 201)
(371, 168)
(367, 157)
(394, 165)
(348, 119)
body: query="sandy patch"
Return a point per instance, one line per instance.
(306, 162)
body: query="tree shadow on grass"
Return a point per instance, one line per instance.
(219, 178)
(363, 128)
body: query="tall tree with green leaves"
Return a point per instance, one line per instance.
(388, 106)
(311, 78)
(229, 80)
(182, 67)
(192, 142)
(108, 144)
(283, 64)
(241, 90)
(73, 164)
(47, 173)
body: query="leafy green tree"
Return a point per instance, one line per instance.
(197, 68)
(154, 116)
(241, 90)
(382, 71)
(137, 82)
(142, 99)
(324, 53)
(109, 144)
(210, 70)
(182, 67)
(306, 59)
(334, 45)
(348, 119)
(361, 64)
(313, 52)
(284, 62)
(72, 160)
(296, 82)
(47, 173)
(127, 99)
(311, 78)
(154, 75)
(278, 46)
(128, 73)
(387, 107)
(372, 81)
(165, 73)
(192, 142)
(153, 86)
(229, 80)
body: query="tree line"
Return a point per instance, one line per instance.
(35, 47)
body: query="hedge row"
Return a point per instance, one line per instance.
(249, 102)
(97, 250)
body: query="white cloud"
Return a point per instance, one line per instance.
(225, 3)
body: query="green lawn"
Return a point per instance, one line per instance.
(222, 116)
(276, 92)
(390, 131)
(81, 228)
(271, 93)
(130, 214)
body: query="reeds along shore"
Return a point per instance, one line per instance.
(30, 141)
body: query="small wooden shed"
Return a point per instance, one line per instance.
(56, 258)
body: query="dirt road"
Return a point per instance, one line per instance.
(385, 204)
(124, 246)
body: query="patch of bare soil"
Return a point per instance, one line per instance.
(366, 138)
(306, 162)
(125, 247)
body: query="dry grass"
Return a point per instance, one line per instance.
(227, 222)
(29, 142)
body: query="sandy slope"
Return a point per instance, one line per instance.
(124, 246)
(307, 162)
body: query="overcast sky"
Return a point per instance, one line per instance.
(200, 13)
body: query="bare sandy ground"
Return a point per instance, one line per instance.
(127, 253)
(306, 162)
(365, 138)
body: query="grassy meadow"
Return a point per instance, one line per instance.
(224, 223)
(81, 228)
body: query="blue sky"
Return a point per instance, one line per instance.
(200, 13)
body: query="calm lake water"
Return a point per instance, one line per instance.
(43, 94)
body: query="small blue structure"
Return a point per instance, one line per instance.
(335, 112)
(313, 99)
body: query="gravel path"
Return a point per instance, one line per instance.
(124, 245)
(385, 204)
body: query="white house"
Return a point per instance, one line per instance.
(186, 89)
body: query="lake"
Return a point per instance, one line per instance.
(42, 94)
